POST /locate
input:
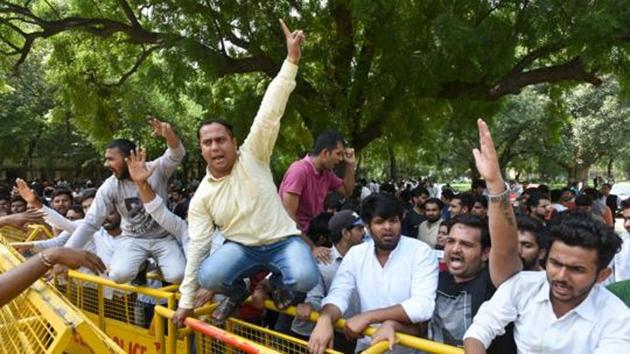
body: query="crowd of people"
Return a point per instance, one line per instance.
(496, 269)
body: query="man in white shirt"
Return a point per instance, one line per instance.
(428, 229)
(346, 231)
(395, 278)
(621, 263)
(565, 310)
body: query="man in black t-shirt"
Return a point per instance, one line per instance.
(475, 269)
(415, 216)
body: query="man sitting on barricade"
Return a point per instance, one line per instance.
(142, 236)
(238, 196)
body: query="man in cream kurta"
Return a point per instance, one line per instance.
(238, 196)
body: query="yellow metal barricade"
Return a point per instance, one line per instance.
(41, 321)
(115, 315)
(401, 338)
(237, 336)
(118, 310)
(33, 232)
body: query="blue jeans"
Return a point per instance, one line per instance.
(290, 260)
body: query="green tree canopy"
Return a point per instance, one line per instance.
(372, 69)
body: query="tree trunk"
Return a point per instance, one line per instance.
(393, 171)
(578, 173)
(609, 170)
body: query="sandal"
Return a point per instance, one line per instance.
(225, 309)
(282, 297)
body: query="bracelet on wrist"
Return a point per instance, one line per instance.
(499, 196)
(45, 260)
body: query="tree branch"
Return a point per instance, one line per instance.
(343, 43)
(145, 54)
(129, 13)
(573, 70)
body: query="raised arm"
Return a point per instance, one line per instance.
(165, 130)
(504, 257)
(27, 194)
(52, 217)
(140, 173)
(153, 203)
(168, 162)
(349, 175)
(264, 131)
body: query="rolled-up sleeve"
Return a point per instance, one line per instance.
(419, 307)
(495, 314)
(343, 284)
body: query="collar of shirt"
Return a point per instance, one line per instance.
(392, 253)
(309, 160)
(586, 309)
(335, 255)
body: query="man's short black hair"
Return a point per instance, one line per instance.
(475, 222)
(477, 183)
(448, 194)
(328, 140)
(221, 121)
(544, 189)
(625, 204)
(448, 225)
(466, 199)
(535, 227)
(434, 201)
(60, 191)
(418, 191)
(534, 199)
(384, 205)
(89, 193)
(594, 193)
(555, 195)
(319, 227)
(77, 209)
(482, 200)
(576, 228)
(584, 200)
(125, 146)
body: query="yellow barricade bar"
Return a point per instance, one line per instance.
(39, 320)
(401, 338)
(217, 333)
